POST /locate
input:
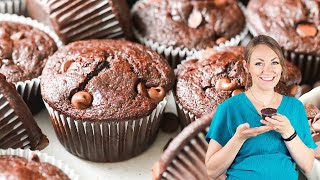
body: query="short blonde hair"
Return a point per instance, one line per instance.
(271, 43)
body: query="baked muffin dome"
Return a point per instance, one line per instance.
(187, 23)
(109, 71)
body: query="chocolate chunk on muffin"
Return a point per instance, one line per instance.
(18, 127)
(180, 26)
(206, 81)
(78, 20)
(115, 86)
(268, 112)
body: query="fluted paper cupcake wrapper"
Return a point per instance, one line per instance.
(30, 89)
(13, 7)
(184, 158)
(92, 21)
(309, 65)
(185, 116)
(13, 134)
(107, 141)
(28, 154)
(174, 55)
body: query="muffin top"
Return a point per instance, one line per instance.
(25, 120)
(295, 24)
(205, 82)
(188, 23)
(15, 167)
(23, 51)
(105, 80)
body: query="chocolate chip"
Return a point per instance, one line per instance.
(225, 84)
(81, 100)
(221, 40)
(306, 30)
(66, 64)
(157, 93)
(195, 18)
(35, 158)
(170, 122)
(17, 36)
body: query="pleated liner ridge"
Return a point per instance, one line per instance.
(107, 141)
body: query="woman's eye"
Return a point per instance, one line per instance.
(275, 63)
(258, 64)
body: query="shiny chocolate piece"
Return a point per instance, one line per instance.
(226, 84)
(66, 64)
(170, 122)
(157, 93)
(306, 30)
(81, 100)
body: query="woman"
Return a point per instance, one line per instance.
(244, 146)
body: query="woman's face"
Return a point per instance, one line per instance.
(264, 67)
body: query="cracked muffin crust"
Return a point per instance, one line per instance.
(105, 80)
(188, 23)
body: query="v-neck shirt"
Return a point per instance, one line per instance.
(266, 155)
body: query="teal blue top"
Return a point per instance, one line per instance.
(266, 155)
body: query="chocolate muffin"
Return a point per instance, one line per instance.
(179, 27)
(206, 81)
(18, 128)
(82, 19)
(111, 95)
(15, 167)
(25, 47)
(295, 27)
(268, 112)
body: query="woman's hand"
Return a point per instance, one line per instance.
(244, 131)
(281, 124)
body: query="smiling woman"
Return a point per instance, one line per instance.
(250, 144)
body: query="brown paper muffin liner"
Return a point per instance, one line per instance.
(28, 154)
(108, 141)
(184, 158)
(174, 55)
(13, 7)
(308, 64)
(93, 19)
(30, 89)
(14, 133)
(185, 116)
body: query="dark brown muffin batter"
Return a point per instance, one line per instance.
(105, 80)
(23, 51)
(19, 168)
(188, 23)
(295, 24)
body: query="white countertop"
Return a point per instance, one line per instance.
(137, 168)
